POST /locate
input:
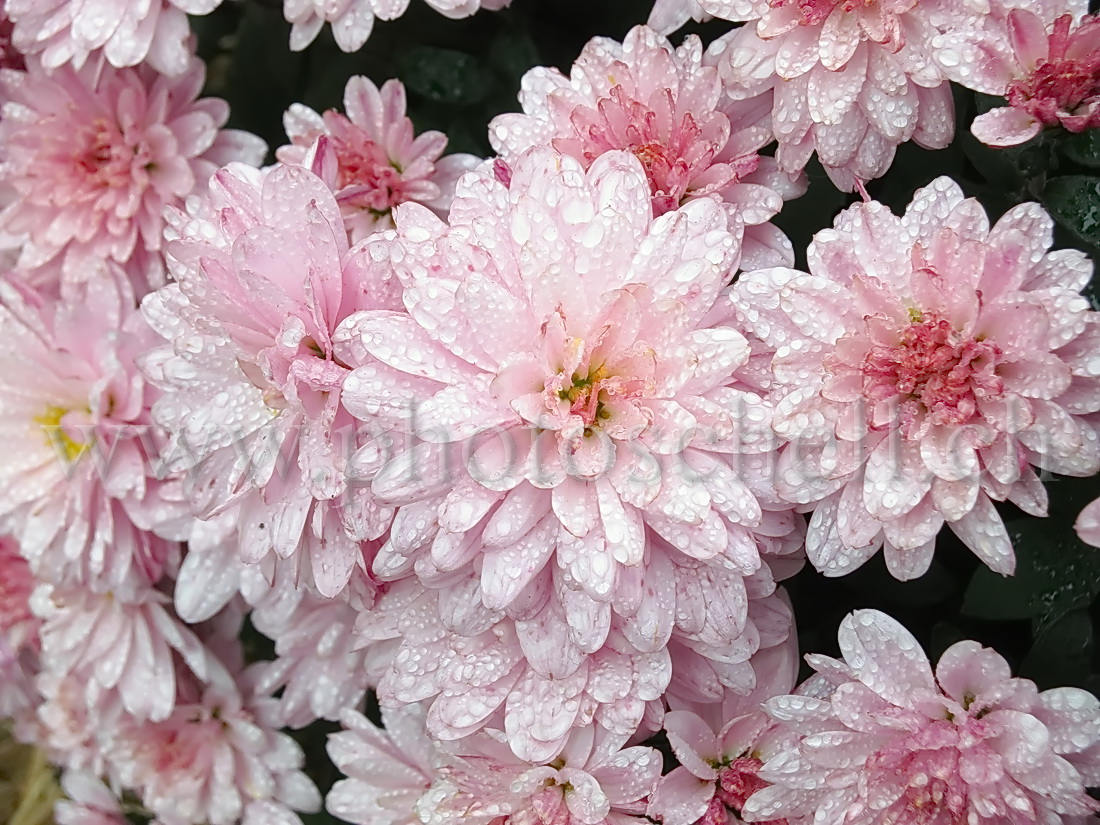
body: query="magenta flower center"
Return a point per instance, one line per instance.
(815, 12)
(104, 159)
(369, 178)
(1059, 85)
(673, 151)
(739, 780)
(932, 370)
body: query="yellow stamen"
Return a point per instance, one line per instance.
(56, 436)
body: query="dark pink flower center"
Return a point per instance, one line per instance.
(369, 178)
(103, 159)
(739, 780)
(1064, 84)
(672, 157)
(933, 371)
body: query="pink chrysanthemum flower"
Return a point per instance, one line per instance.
(924, 365)
(118, 648)
(62, 31)
(252, 377)
(81, 454)
(594, 781)
(603, 363)
(602, 359)
(353, 20)
(852, 80)
(1088, 524)
(722, 746)
(94, 156)
(387, 770)
(219, 758)
(380, 161)
(1044, 58)
(895, 743)
(666, 107)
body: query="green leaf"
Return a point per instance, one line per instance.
(320, 818)
(1062, 653)
(1083, 148)
(999, 598)
(511, 54)
(944, 634)
(875, 582)
(1074, 201)
(445, 75)
(1055, 574)
(262, 77)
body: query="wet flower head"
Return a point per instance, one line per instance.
(1067, 81)
(363, 164)
(895, 742)
(665, 106)
(380, 161)
(1043, 58)
(951, 356)
(93, 156)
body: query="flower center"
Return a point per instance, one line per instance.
(1056, 85)
(584, 393)
(933, 371)
(928, 762)
(928, 796)
(673, 155)
(739, 780)
(103, 159)
(60, 433)
(365, 167)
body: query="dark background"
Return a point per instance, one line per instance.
(460, 73)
